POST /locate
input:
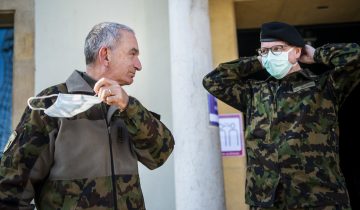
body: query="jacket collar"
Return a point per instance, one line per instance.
(308, 74)
(76, 83)
(303, 73)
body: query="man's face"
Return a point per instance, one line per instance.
(124, 60)
(279, 46)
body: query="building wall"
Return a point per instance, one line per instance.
(61, 28)
(23, 56)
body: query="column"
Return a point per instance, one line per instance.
(199, 180)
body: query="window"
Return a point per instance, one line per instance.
(6, 75)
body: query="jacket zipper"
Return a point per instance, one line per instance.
(113, 179)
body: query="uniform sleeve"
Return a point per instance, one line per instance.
(345, 59)
(18, 173)
(228, 82)
(152, 140)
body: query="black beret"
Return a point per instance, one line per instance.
(278, 31)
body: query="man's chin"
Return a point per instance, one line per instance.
(129, 82)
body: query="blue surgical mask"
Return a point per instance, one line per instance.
(277, 65)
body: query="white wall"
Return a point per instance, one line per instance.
(60, 30)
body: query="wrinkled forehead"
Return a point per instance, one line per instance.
(272, 43)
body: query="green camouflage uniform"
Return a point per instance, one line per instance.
(66, 163)
(292, 129)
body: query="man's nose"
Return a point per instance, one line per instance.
(137, 64)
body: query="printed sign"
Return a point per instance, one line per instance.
(231, 134)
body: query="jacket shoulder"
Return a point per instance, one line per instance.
(55, 89)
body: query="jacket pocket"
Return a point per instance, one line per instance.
(261, 186)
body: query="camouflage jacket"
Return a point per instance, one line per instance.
(291, 126)
(67, 163)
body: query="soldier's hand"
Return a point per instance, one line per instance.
(111, 93)
(307, 55)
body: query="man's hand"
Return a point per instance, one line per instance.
(111, 93)
(307, 55)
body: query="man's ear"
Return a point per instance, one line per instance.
(298, 52)
(104, 55)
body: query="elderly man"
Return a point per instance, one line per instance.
(74, 150)
(291, 118)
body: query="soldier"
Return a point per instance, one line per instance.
(82, 151)
(291, 118)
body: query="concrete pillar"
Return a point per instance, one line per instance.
(199, 181)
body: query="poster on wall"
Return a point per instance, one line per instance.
(213, 111)
(231, 134)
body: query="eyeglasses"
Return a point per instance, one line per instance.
(275, 50)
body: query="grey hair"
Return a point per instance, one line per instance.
(105, 34)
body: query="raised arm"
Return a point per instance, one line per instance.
(345, 60)
(228, 82)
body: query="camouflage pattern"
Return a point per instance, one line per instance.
(43, 162)
(291, 127)
(337, 207)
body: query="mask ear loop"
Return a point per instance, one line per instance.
(40, 97)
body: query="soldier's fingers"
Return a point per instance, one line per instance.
(104, 92)
(112, 100)
(103, 82)
(100, 83)
(121, 100)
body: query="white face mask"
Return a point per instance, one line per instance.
(277, 65)
(67, 105)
